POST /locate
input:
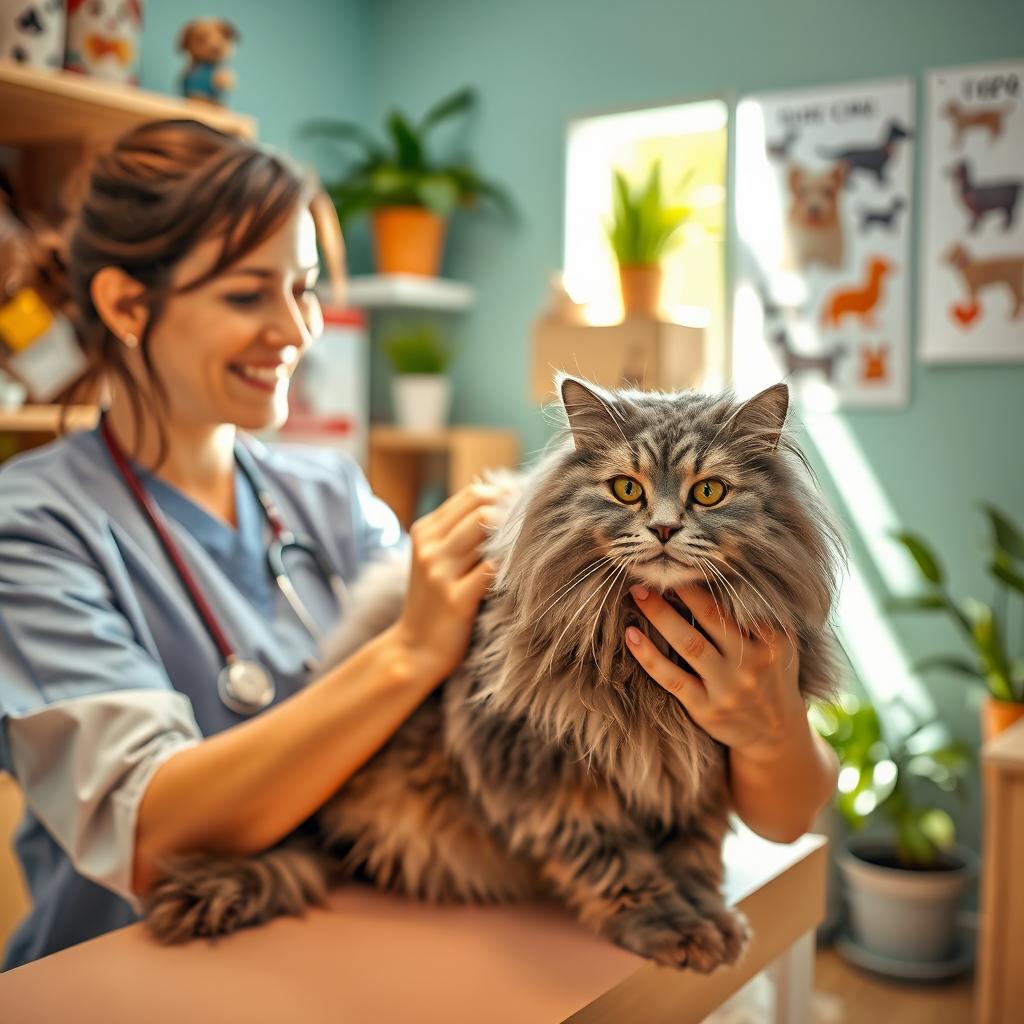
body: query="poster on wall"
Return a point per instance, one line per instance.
(972, 261)
(823, 180)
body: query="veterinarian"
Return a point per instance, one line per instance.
(158, 690)
(128, 709)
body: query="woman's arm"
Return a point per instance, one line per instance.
(746, 696)
(246, 788)
(777, 792)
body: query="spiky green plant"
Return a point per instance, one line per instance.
(984, 626)
(400, 171)
(643, 225)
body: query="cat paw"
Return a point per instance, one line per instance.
(696, 943)
(735, 932)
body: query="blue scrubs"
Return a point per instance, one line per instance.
(105, 667)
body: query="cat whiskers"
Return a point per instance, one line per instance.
(757, 593)
(598, 590)
(620, 578)
(711, 589)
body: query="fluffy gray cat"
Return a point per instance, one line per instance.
(549, 763)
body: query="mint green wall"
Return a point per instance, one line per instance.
(538, 63)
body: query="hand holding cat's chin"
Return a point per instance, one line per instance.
(743, 691)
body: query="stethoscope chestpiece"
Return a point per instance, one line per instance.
(245, 686)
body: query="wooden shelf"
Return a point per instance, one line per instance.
(408, 291)
(41, 419)
(41, 106)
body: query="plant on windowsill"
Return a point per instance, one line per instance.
(642, 229)
(420, 391)
(905, 878)
(984, 626)
(409, 194)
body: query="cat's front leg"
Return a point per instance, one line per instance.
(620, 888)
(692, 856)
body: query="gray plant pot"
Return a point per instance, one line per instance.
(906, 915)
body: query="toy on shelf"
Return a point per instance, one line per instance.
(209, 42)
(103, 39)
(32, 33)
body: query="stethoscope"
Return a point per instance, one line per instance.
(244, 686)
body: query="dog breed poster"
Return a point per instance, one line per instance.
(823, 186)
(972, 260)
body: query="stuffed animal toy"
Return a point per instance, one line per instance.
(32, 32)
(209, 42)
(103, 39)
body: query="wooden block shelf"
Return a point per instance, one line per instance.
(398, 460)
(45, 419)
(42, 106)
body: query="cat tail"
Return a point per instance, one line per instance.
(204, 895)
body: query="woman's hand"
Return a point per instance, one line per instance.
(448, 580)
(745, 694)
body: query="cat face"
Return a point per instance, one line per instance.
(673, 488)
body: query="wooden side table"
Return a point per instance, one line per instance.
(374, 957)
(1000, 982)
(398, 460)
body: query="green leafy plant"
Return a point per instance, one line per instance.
(400, 170)
(417, 348)
(643, 225)
(983, 625)
(888, 777)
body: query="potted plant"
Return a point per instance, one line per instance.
(904, 878)
(984, 626)
(420, 392)
(408, 193)
(642, 228)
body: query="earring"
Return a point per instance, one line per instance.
(130, 341)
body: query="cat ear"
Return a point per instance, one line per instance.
(590, 416)
(764, 415)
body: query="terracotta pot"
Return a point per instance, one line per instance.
(997, 715)
(407, 240)
(641, 289)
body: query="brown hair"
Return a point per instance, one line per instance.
(164, 188)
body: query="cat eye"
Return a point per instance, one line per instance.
(627, 490)
(708, 492)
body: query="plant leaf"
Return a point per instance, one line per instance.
(948, 663)
(922, 555)
(1007, 574)
(458, 102)
(915, 603)
(438, 192)
(408, 148)
(1005, 533)
(344, 131)
(937, 826)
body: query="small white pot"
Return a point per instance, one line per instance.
(421, 401)
(907, 915)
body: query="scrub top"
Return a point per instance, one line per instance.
(105, 667)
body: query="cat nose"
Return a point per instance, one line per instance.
(664, 531)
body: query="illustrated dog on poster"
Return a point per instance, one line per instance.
(859, 301)
(874, 364)
(963, 119)
(979, 274)
(886, 217)
(983, 198)
(796, 362)
(872, 159)
(814, 225)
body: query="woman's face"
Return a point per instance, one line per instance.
(226, 350)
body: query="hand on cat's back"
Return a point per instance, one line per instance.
(448, 579)
(745, 692)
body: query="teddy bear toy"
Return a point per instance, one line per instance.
(209, 42)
